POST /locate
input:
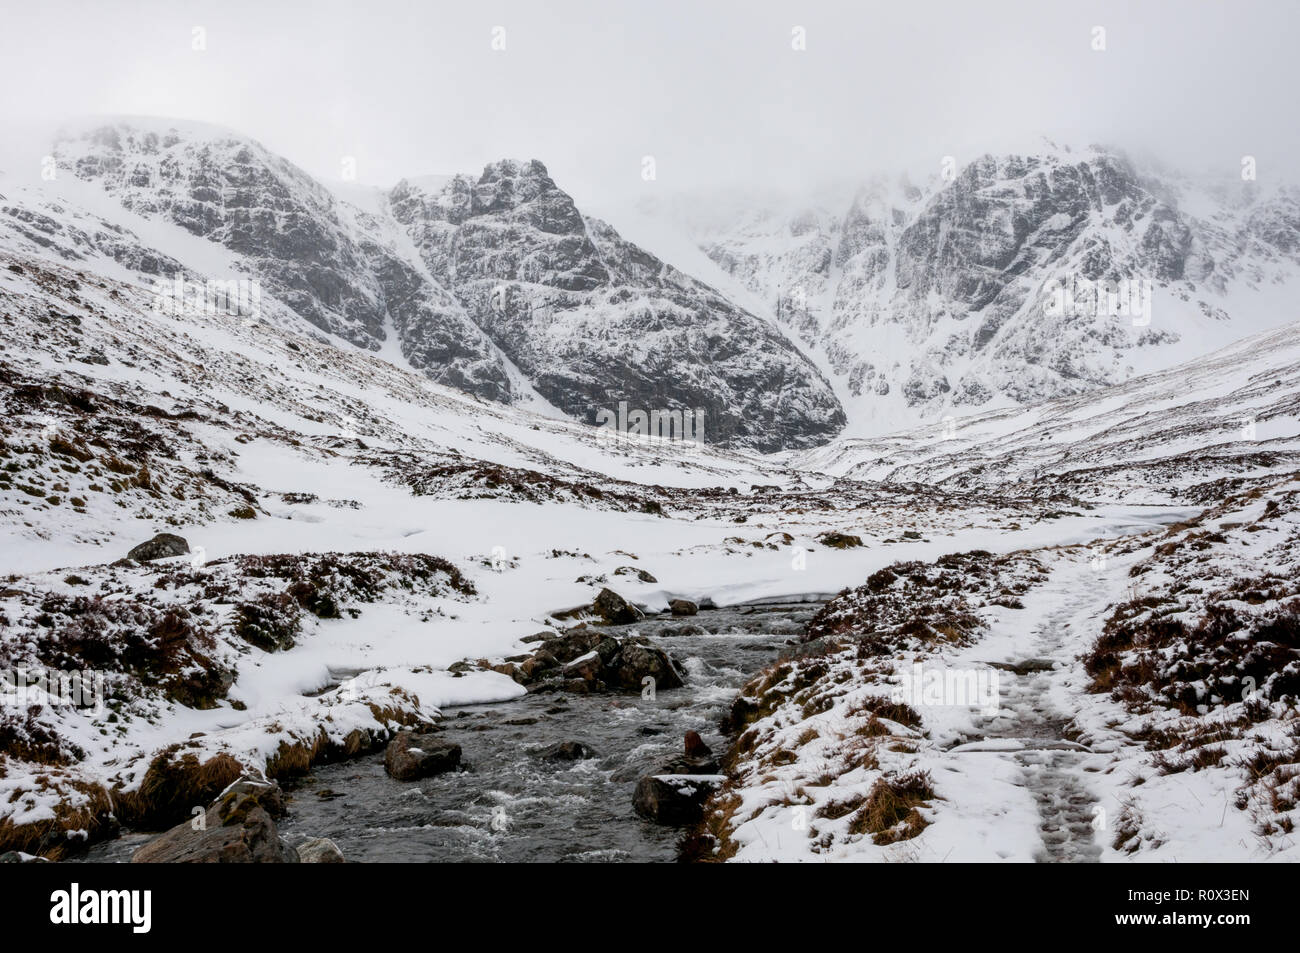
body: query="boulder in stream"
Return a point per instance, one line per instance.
(414, 755)
(320, 850)
(567, 751)
(588, 659)
(675, 792)
(238, 828)
(674, 799)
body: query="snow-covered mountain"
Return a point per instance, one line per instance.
(333, 267)
(995, 288)
(593, 319)
(496, 285)
(379, 505)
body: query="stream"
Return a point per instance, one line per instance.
(511, 805)
(515, 806)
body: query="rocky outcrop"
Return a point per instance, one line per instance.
(473, 274)
(239, 828)
(333, 264)
(925, 300)
(585, 659)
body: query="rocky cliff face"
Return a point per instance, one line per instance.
(594, 320)
(921, 301)
(470, 276)
(324, 260)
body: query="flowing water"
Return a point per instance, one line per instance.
(512, 805)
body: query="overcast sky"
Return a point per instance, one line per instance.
(714, 91)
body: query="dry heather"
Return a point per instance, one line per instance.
(1207, 650)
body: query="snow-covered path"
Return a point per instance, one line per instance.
(1028, 734)
(1031, 728)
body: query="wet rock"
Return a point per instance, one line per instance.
(586, 659)
(567, 751)
(638, 662)
(238, 828)
(320, 850)
(588, 667)
(674, 799)
(839, 540)
(683, 607)
(411, 756)
(160, 547)
(695, 746)
(675, 792)
(614, 609)
(18, 857)
(574, 643)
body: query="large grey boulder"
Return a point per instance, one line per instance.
(414, 755)
(238, 828)
(160, 547)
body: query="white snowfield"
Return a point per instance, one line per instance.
(266, 436)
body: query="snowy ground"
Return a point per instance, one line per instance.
(1034, 763)
(250, 439)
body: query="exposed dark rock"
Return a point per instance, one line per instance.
(587, 659)
(683, 607)
(695, 746)
(567, 751)
(839, 540)
(614, 609)
(519, 256)
(675, 792)
(160, 547)
(638, 573)
(411, 756)
(674, 799)
(239, 828)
